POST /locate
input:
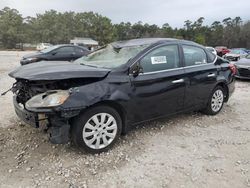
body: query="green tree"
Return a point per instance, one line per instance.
(11, 27)
(122, 31)
(199, 38)
(55, 27)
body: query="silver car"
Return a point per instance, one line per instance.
(235, 54)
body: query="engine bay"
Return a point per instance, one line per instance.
(25, 89)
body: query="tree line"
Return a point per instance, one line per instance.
(58, 28)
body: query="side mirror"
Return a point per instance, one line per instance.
(136, 69)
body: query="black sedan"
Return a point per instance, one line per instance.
(243, 68)
(56, 53)
(98, 97)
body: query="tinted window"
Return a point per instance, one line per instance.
(194, 55)
(65, 50)
(162, 58)
(80, 50)
(210, 57)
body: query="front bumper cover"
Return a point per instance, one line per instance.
(26, 116)
(58, 127)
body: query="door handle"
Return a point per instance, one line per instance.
(211, 75)
(178, 81)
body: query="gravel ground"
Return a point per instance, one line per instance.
(188, 150)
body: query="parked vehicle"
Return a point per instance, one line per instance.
(243, 68)
(43, 46)
(235, 54)
(98, 97)
(56, 53)
(221, 50)
(211, 49)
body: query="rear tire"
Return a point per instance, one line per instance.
(215, 102)
(97, 129)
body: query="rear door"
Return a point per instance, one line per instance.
(200, 75)
(159, 89)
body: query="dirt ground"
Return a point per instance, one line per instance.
(188, 150)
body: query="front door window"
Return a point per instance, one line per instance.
(162, 58)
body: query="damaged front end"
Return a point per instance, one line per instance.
(39, 103)
(42, 88)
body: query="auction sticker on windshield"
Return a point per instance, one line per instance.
(158, 60)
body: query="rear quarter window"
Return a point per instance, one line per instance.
(210, 56)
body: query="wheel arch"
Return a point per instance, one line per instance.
(226, 89)
(120, 109)
(115, 105)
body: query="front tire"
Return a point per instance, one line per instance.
(97, 129)
(215, 102)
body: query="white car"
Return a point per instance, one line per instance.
(43, 46)
(211, 49)
(235, 54)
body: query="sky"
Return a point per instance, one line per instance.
(158, 12)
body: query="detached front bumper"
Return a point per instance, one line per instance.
(26, 116)
(58, 127)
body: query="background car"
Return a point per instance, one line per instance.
(56, 53)
(43, 46)
(235, 54)
(211, 49)
(243, 68)
(221, 50)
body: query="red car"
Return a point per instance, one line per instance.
(221, 50)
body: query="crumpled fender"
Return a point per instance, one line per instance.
(88, 95)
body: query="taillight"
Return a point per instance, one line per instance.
(233, 68)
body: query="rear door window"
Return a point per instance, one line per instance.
(194, 55)
(80, 50)
(66, 50)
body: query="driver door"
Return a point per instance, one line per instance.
(159, 89)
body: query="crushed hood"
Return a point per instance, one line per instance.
(57, 70)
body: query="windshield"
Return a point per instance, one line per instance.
(46, 50)
(110, 57)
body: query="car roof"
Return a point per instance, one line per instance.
(147, 41)
(64, 45)
(69, 45)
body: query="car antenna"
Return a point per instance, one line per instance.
(4, 93)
